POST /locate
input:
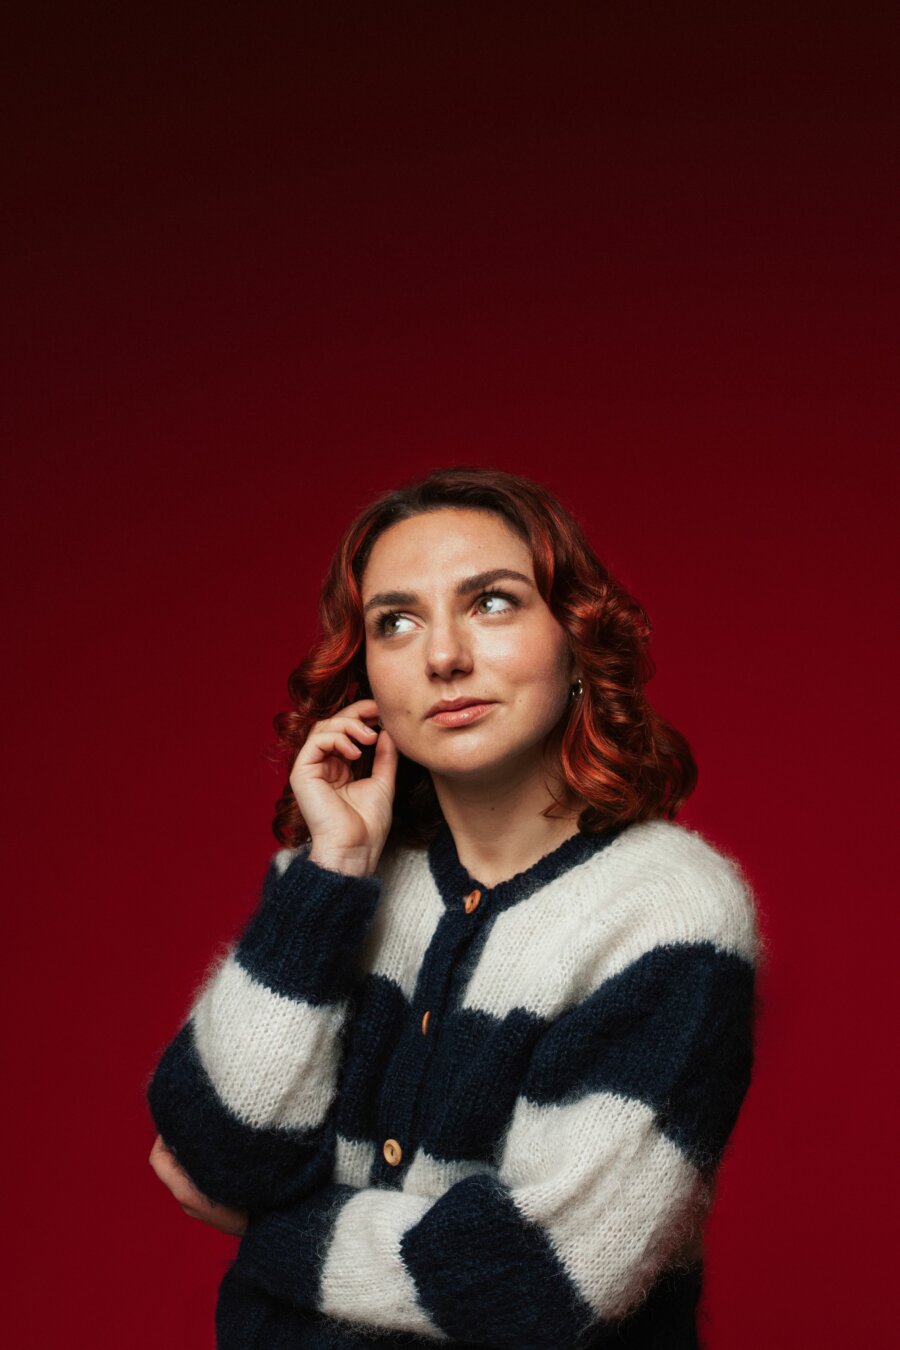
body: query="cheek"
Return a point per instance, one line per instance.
(377, 684)
(551, 685)
(539, 668)
(395, 709)
(388, 688)
(551, 693)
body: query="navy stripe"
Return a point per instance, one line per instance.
(475, 1075)
(305, 938)
(226, 1159)
(247, 1317)
(485, 1274)
(453, 881)
(381, 1011)
(674, 1030)
(282, 1251)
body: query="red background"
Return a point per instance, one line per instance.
(266, 261)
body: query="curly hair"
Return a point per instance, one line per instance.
(616, 754)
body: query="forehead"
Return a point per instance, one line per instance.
(442, 546)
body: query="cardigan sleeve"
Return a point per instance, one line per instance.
(243, 1094)
(603, 1182)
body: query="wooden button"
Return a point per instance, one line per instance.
(393, 1152)
(471, 901)
(425, 1020)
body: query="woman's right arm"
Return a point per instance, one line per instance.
(243, 1095)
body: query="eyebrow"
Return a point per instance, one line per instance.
(464, 587)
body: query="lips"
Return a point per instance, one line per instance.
(452, 704)
(459, 712)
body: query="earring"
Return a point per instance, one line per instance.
(577, 689)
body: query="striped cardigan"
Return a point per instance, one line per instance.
(484, 1116)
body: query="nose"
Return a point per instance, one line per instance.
(449, 653)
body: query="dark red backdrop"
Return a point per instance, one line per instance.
(264, 261)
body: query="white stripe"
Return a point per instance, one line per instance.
(617, 1199)
(272, 1060)
(657, 884)
(432, 1177)
(283, 859)
(353, 1160)
(408, 912)
(364, 1278)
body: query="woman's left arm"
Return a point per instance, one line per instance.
(604, 1180)
(244, 1094)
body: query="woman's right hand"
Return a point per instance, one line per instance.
(348, 819)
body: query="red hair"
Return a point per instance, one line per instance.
(615, 753)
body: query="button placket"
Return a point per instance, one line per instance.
(457, 933)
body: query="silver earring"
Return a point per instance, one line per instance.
(577, 689)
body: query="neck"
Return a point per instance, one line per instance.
(498, 827)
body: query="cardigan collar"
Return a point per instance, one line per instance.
(454, 881)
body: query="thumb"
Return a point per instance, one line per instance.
(384, 763)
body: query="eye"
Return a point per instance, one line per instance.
(499, 602)
(390, 623)
(387, 624)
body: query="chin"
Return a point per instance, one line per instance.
(450, 761)
(473, 761)
(471, 769)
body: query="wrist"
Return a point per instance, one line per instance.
(349, 862)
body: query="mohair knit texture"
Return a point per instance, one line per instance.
(531, 1165)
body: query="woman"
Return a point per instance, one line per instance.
(470, 1069)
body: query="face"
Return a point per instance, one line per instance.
(469, 668)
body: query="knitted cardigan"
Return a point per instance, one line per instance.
(472, 1115)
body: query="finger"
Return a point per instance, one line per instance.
(384, 764)
(363, 707)
(231, 1221)
(354, 726)
(163, 1161)
(343, 745)
(363, 711)
(170, 1172)
(321, 744)
(186, 1193)
(175, 1181)
(343, 726)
